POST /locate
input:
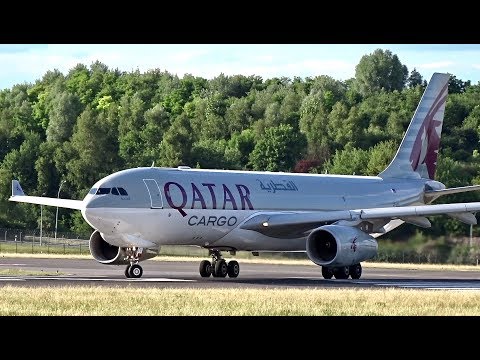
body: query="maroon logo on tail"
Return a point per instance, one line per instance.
(427, 143)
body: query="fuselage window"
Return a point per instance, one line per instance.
(122, 191)
(114, 191)
(103, 191)
(93, 191)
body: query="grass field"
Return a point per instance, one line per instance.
(93, 301)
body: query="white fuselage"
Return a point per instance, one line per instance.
(164, 206)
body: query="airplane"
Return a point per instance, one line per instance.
(335, 219)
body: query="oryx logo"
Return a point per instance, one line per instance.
(354, 244)
(426, 145)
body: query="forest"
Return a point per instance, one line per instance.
(75, 128)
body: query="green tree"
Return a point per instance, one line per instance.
(380, 70)
(414, 79)
(278, 150)
(20, 164)
(210, 154)
(313, 123)
(239, 148)
(131, 112)
(63, 116)
(96, 160)
(157, 122)
(457, 86)
(349, 161)
(380, 156)
(176, 146)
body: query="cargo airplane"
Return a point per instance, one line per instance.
(334, 218)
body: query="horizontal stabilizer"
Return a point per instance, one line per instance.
(467, 218)
(434, 194)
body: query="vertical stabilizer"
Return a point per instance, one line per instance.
(17, 189)
(417, 155)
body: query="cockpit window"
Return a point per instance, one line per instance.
(93, 191)
(114, 191)
(122, 191)
(103, 191)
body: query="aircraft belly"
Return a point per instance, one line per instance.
(249, 240)
(165, 226)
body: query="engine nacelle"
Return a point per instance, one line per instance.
(338, 245)
(108, 254)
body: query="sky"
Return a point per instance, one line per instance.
(25, 63)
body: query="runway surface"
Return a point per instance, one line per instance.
(163, 274)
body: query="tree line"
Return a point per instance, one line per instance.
(93, 121)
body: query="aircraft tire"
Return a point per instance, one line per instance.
(327, 272)
(127, 271)
(135, 271)
(341, 272)
(205, 268)
(356, 271)
(221, 268)
(233, 268)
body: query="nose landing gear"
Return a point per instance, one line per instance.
(134, 270)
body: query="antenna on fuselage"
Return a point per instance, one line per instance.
(153, 163)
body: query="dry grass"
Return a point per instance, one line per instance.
(85, 300)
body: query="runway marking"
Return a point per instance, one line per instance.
(66, 278)
(13, 264)
(5, 278)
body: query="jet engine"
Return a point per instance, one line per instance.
(108, 254)
(338, 245)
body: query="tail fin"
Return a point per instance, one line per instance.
(417, 155)
(17, 189)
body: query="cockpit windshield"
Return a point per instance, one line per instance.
(105, 191)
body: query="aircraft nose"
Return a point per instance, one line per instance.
(92, 212)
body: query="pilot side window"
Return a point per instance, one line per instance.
(103, 191)
(114, 191)
(122, 191)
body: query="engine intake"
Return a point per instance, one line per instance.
(338, 245)
(106, 253)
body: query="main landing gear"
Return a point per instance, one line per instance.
(342, 272)
(133, 270)
(219, 267)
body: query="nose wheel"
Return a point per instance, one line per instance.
(219, 266)
(133, 270)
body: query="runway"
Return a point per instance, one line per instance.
(172, 274)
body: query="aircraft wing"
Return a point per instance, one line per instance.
(297, 224)
(19, 196)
